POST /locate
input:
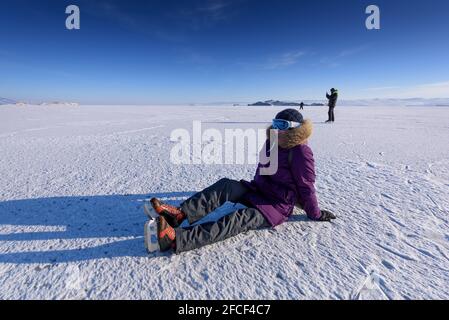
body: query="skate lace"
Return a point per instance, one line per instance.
(175, 212)
(169, 232)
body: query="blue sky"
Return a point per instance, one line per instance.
(192, 51)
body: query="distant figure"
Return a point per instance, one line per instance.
(301, 106)
(332, 103)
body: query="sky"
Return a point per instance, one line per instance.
(207, 51)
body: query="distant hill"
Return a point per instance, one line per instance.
(7, 101)
(394, 102)
(260, 104)
(4, 101)
(274, 103)
(412, 102)
(314, 104)
(60, 103)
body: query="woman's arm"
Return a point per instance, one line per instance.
(303, 170)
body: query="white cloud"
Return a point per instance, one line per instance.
(338, 58)
(210, 13)
(285, 60)
(215, 9)
(382, 88)
(427, 90)
(352, 51)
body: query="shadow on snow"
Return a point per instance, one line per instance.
(116, 219)
(63, 219)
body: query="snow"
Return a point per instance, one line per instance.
(73, 181)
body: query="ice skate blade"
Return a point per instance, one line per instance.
(150, 235)
(149, 211)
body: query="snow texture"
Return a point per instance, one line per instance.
(73, 181)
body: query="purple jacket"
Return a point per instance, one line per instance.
(276, 196)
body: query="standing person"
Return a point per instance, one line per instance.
(270, 200)
(301, 106)
(332, 104)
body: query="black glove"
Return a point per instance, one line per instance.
(327, 216)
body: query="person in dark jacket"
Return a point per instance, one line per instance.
(332, 104)
(269, 199)
(301, 106)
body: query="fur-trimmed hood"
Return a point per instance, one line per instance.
(292, 138)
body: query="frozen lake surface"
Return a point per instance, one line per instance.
(73, 180)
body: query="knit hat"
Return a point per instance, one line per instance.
(290, 115)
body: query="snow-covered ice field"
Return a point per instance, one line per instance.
(73, 180)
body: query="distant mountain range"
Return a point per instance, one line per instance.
(279, 103)
(7, 101)
(4, 101)
(437, 102)
(416, 102)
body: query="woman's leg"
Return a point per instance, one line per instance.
(213, 197)
(229, 226)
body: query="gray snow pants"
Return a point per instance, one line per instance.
(206, 201)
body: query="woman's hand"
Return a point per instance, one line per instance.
(327, 216)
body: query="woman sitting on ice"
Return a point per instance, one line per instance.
(270, 199)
